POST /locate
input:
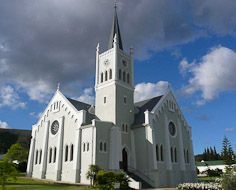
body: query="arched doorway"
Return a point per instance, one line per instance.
(124, 159)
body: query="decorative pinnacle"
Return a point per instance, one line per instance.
(58, 86)
(115, 5)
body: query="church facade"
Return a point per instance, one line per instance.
(149, 139)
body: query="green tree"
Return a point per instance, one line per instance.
(92, 173)
(227, 151)
(17, 152)
(7, 170)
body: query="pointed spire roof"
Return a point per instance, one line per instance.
(115, 30)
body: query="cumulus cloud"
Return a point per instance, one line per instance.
(87, 96)
(149, 90)
(46, 42)
(4, 125)
(10, 98)
(213, 74)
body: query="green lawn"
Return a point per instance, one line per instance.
(23, 183)
(207, 179)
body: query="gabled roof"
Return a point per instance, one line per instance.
(144, 105)
(115, 30)
(79, 105)
(83, 106)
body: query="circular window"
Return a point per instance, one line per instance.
(172, 128)
(54, 127)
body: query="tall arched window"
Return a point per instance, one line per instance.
(124, 76)
(157, 152)
(36, 157)
(110, 74)
(105, 147)
(161, 150)
(120, 74)
(175, 153)
(84, 147)
(87, 146)
(40, 156)
(128, 78)
(101, 148)
(187, 156)
(66, 153)
(184, 156)
(171, 153)
(50, 155)
(106, 76)
(101, 77)
(71, 152)
(55, 155)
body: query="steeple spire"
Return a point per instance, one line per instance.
(115, 30)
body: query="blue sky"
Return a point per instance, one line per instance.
(190, 45)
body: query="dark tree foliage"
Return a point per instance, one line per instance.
(6, 140)
(208, 155)
(227, 152)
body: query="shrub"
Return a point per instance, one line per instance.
(229, 178)
(214, 173)
(200, 186)
(92, 173)
(7, 170)
(106, 180)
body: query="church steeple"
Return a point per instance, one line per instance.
(115, 30)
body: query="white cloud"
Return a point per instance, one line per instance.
(37, 90)
(10, 98)
(87, 96)
(213, 74)
(4, 125)
(36, 115)
(148, 90)
(229, 129)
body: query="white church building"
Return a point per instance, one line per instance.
(150, 140)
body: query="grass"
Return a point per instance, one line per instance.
(23, 183)
(207, 179)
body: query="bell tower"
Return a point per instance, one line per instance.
(114, 81)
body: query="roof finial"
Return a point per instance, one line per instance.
(58, 86)
(115, 5)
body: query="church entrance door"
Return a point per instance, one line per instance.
(125, 159)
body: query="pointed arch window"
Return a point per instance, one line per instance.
(187, 156)
(101, 77)
(71, 152)
(50, 155)
(124, 76)
(110, 74)
(84, 147)
(87, 146)
(36, 157)
(128, 78)
(120, 74)
(161, 151)
(106, 76)
(66, 153)
(105, 147)
(40, 156)
(101, 148)
(171, 153)
(175, 153)
(157, 152)
(55, 155)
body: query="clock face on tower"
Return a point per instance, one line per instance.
(54, 127)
